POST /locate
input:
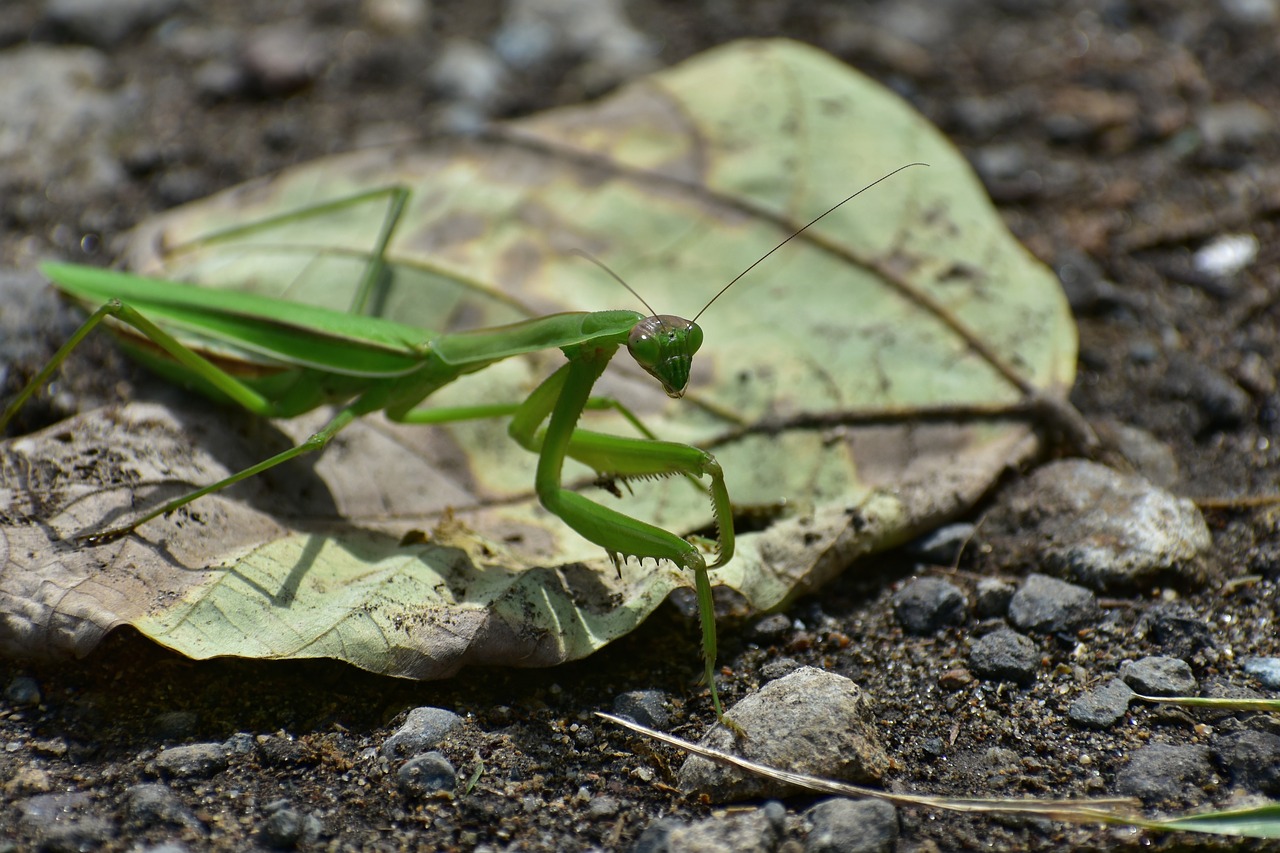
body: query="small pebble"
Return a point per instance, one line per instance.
(1221, 402)
(1251, 13)
(1146, 454)
(397, 17)
(1005, 655)
(152, 803)
(955, 679)
(1049, 606)
(1164, 773)
(779, 668)
(426, 774)
(1226, 255)
(927, 604)
(602, 807)
(193, 761)
(105, 25)
(1102, 707)
(810, 721)
(852, 826)
(1266, 670)
(27, 781)
(656, 837)
(23, 691)
(991, 598)
(282, 58)
(284, 751)
(771, 627)
(63, 821)
(470, 72)
(175, 725)
(423, 729)
(1237, 124)
(646, 707)
(1160, 676)
(1175, 628)
(1252, 759)
(754, 831)
(285, 827)
(240, 743)
(942, 547)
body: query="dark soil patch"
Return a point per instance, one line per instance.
(1118, 137)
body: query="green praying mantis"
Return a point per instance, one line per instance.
(280, 359)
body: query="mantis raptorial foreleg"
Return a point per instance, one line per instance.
(562, 398)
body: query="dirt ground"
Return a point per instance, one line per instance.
(1118, 138)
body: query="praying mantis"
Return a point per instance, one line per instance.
(280, 359)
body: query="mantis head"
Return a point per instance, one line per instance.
(664, 346)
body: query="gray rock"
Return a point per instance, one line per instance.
(942, 547)
(1266, 670)
(219, 80)
(64, 822)
(470, 72)
(646, 707)
(194, 761)
(1160, 676)
(152, 804)
(1100, 528)
(23, 691)
(927, 604)
(778, 668)
(240, 743)
(1164, 773)
(991, 598)
(285, 827)
(423, 729)
(656, 837)
(1175, 628)
(1148, 455)
(282, 58)
(604, 806)
(771, 627)
(426, 774)
(535, 32)
(1220, 401)
(1251, 759)
(810, 721)
(1234, 123)
(852, 826)
(1049, 606)
(105, 24)
(1005, 655)
(755, 831)
(175, 725)
(60, 117)
(1102, 707)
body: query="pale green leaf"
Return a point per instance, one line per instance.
(852, 386)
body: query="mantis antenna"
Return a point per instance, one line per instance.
(602, 265)
(795, 234)
(590, 257)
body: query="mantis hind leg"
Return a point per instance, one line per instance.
(227, 384)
